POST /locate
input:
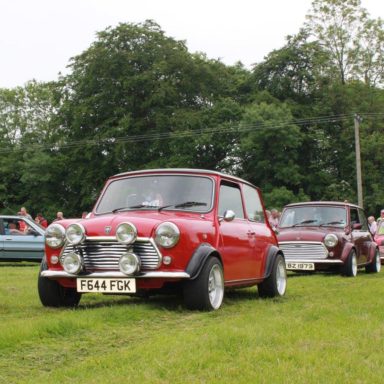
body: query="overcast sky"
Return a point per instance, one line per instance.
(38, 37)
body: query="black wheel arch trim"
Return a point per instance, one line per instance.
(198, 259)
(273, 252)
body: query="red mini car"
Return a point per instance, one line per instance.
(327, 235)
(191, 230)
(379, 238)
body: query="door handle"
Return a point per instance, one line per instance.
(8, 239)
(251, 233)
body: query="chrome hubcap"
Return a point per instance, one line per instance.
(215, 286)
(281, 278)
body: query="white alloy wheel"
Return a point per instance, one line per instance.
(378, 262)
(354, 265)
(281, 277)
(215, 286)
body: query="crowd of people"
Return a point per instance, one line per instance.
(39, 219)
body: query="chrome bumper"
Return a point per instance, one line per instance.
(115, 275)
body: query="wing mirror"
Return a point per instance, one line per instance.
(229, 215)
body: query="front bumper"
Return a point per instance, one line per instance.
(144, 275)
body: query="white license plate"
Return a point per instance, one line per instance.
(106, 285)
(301, 266)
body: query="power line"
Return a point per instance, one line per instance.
(182, 134)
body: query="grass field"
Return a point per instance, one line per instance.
(328, 329)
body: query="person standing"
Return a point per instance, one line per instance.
(274, 218)
(59, 216)
(41, 220)
(22, 225)
(372, 225)
(381, 216)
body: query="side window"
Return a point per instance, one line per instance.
(363, 220)
(14, 227)
(230, 198)
(354, 216)
(253, 205)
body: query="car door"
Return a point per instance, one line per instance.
(18, 246)
(360, 236)
(237, 243)
(260, 231)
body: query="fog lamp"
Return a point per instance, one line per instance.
(75, 233)
(72, 263)
(126, 233)
(129, 263)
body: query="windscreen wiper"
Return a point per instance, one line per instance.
(186, 204)
(331, 223)
(304, 222)
(135, 207)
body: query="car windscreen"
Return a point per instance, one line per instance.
(181, 192)
(314, 216)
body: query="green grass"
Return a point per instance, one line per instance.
(328, 329)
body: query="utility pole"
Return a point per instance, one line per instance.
(358, 119)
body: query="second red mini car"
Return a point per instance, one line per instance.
(327, 235)
(190, 230)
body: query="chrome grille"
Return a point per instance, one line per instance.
(104, 255)
(303, 250)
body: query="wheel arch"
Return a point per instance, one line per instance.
(272, 253)
(373, 248)
(199, 257)
(346, 251)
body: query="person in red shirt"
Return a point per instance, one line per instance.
(41, 220)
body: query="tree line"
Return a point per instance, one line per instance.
(138, 99)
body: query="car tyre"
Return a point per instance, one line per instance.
(206, 291)
(52, 294)
(375, 265)
(276, 283)
(350, 267)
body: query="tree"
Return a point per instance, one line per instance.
(353, 40)
(268, 151)
(294, 72)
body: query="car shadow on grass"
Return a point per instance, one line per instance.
(311, 274)
(170, 302)
(167, 302)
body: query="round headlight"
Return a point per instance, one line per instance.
(55, 235)
(75, 234)
(126, 233)
(72, 263)
(331, 240)
(129, 263)
(167, 235)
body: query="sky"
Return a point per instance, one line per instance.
(38, 37)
